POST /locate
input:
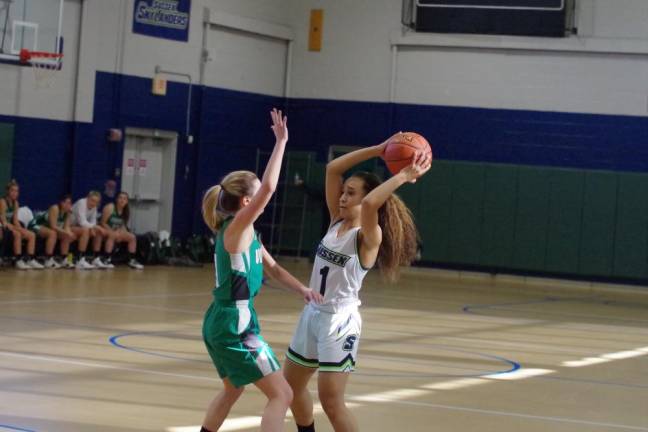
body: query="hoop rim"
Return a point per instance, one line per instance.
(26, 55)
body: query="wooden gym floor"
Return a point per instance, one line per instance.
(121, 351)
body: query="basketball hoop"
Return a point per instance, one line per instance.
(44, 64)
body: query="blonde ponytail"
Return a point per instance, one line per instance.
(224, 199)
(209, 212)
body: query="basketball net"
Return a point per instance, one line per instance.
(44, 64)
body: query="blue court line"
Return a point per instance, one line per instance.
(15, 428)
(114, 340)
(509, 307)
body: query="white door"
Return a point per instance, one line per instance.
(148, 175)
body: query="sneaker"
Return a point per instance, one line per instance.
(34, 264)
(66, 263)
(109, 265)
(134, 264)
(22, 265)
(98, 263)
(82, 264)
(52, 263)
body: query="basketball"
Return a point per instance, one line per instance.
(401, 148)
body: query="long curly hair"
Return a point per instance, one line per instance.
(399, 234)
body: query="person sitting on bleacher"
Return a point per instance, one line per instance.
(54, 224)
(10, 225)
(114, 220)
(84, 226)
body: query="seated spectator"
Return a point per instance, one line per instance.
(54, 224)
(115, 221)
(84, 227)
(10, 225)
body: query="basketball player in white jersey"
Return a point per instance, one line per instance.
(369, 225)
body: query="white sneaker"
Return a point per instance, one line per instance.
(52, 263)
(82, 264)
(134, 264)
(34, 264)
(109, 265)
(22, 265)
(98, 263)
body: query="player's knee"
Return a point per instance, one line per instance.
(332, 403)
(284, 394)
(231, 395)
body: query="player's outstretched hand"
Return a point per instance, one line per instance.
(279, 125)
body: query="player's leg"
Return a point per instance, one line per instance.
(64, 247)
(301, 363)
(331, 387)
(98, 235)
(20, 262)
(279, 395)
(30, 238)
(302, 405)
(221, 405)
(50, 243)
(83, 235)
(338, 348)
(130, 239)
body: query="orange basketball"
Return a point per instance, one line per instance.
(401, 148)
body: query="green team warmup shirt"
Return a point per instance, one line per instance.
(42, 220)
(115, 221)
(231, 329)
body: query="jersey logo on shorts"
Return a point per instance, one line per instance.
(349, 343)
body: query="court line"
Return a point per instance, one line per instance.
(608, 357)
(514, 366)
(506, 307)
(56, 359)
(15, 428)
(376, 397)
(67, 299)
(514, 414)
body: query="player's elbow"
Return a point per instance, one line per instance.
(369, 204)
(268, 188)
(273, 271)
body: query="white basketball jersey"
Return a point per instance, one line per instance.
(337, 272)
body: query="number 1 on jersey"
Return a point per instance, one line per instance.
(324, 272)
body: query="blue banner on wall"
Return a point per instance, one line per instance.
(167, 19)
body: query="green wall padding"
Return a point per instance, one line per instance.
(435, 211)
(6, 151)
(531, 219)
(466, 213)
(498, 227)
(631, 236)
(565, 219)
(598, 225)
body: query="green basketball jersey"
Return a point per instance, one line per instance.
(238, 276)
(115, 221)
(9, 213)
(41, 219)
(231, 328)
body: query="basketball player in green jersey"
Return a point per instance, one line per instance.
(54, 224)
(114, 219)
(231, 329)
(9, 222)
